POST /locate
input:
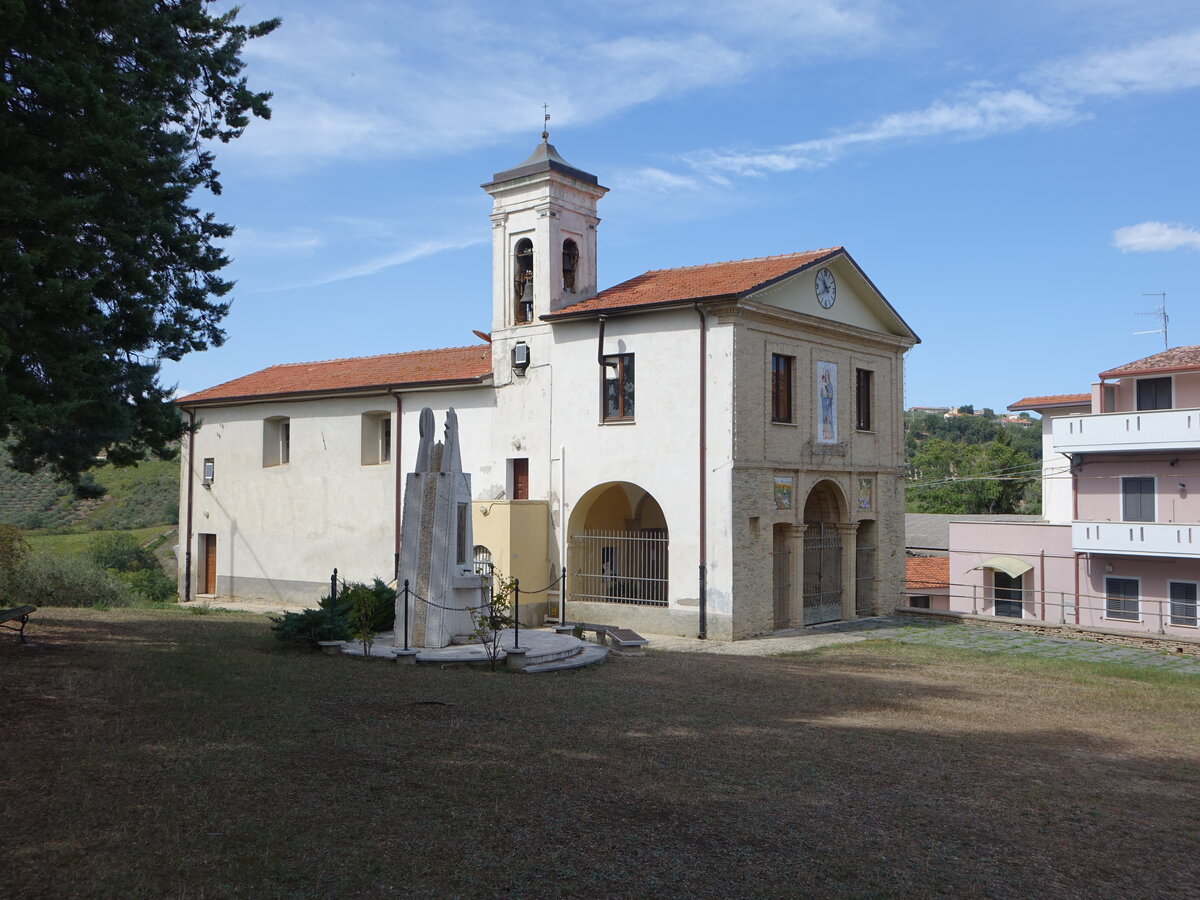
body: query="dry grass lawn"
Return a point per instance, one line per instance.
(159, 753)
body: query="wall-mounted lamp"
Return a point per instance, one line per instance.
(1108, 568)
(520, 357)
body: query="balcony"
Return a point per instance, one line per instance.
(1160, 429)
(1137, 538)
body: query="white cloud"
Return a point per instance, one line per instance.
(407, 80)
(1058, 95)
(1150, 237)
(653, 179)
(386, 261)
(290, 242)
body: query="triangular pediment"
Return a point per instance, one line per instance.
(856, 301)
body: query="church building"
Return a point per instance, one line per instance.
(713, 450)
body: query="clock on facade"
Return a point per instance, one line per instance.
(826, 288)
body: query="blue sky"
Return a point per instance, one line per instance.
(1013, 176)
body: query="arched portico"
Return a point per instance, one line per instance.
(828, 545)
(618, 547)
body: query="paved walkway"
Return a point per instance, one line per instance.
(942, 634)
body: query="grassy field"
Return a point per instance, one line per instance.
(163, 753)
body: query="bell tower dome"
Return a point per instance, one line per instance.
(543, 237)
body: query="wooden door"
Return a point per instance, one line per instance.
(520, 470)
(208, 551)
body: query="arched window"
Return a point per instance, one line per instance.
(482, 559)
(523, 281)
(570, 262)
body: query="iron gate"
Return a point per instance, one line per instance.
(822, 575)
(620, 566)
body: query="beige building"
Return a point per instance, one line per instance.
(712, 450)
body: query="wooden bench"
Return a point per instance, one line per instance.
(18, 614)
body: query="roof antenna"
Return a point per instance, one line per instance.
(545, 121)
(1161, 312)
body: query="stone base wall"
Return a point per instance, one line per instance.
(1160, 642)
(682, 621)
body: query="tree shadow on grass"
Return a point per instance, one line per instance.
(220, 768)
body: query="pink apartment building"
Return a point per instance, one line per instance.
(1118, 545)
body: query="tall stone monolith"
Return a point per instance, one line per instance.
(436, 546)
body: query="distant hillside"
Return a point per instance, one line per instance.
(136, 497)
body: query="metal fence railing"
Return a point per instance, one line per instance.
(1061, 607)
(620, 567)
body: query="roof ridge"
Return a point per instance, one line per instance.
(749, 259)
(338, 359)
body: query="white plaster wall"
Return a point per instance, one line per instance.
(1057, 502)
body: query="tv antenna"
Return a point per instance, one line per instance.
(1161, 312)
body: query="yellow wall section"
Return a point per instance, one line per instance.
(517, 533)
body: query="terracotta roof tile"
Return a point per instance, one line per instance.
(922, 572)
(662, 286)
(451, 364)
(1177, 359)
(1052, 400)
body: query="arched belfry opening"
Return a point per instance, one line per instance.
(824, 510)
(618, 549)
(570, 263)
(523, 281)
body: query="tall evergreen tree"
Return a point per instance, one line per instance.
(111, 109)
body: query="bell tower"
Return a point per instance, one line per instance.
(543, 237)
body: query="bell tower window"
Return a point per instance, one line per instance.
(523, 281)
(570, 262)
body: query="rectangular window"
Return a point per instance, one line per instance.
(1007, 592)
(617, 387)
(376, 444)
(520, 479)
(209, 470)
(919, 602)
(1183, 602)
(862, 398)
(781, 387)
(1121, 598)
(1154, 393)
(277, 441)
(1137, 499)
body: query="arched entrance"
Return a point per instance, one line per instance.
(823, 511)
(619, 545)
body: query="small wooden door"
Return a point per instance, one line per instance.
(208, 555)
(520, 470)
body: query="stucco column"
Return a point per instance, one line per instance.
(849, 533)
(796, 600)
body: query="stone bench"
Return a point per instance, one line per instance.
(619, 638)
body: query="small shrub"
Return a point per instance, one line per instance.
(308, 627)
(149, 585)
(45, 579)
(121, 552)
(363, 611)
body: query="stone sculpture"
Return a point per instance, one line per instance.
(436, 546)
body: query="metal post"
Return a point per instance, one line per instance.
(703, 635)
(333, 589)
(516, 612)
(405, 613)
(562, 598)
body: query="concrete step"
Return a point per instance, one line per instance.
(586, 655)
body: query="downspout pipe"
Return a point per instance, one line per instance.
(600, 341)
(702, 454)
(399, 484)
(191, 487)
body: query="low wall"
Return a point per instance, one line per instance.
(1160, 642)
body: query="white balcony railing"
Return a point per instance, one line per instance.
(1160, 429)
(1137, 538)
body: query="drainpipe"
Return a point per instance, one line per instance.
(399, 484)
(1076, 587)
(191, 477)
(702, 449)
(600, 346)
(1042, 579)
